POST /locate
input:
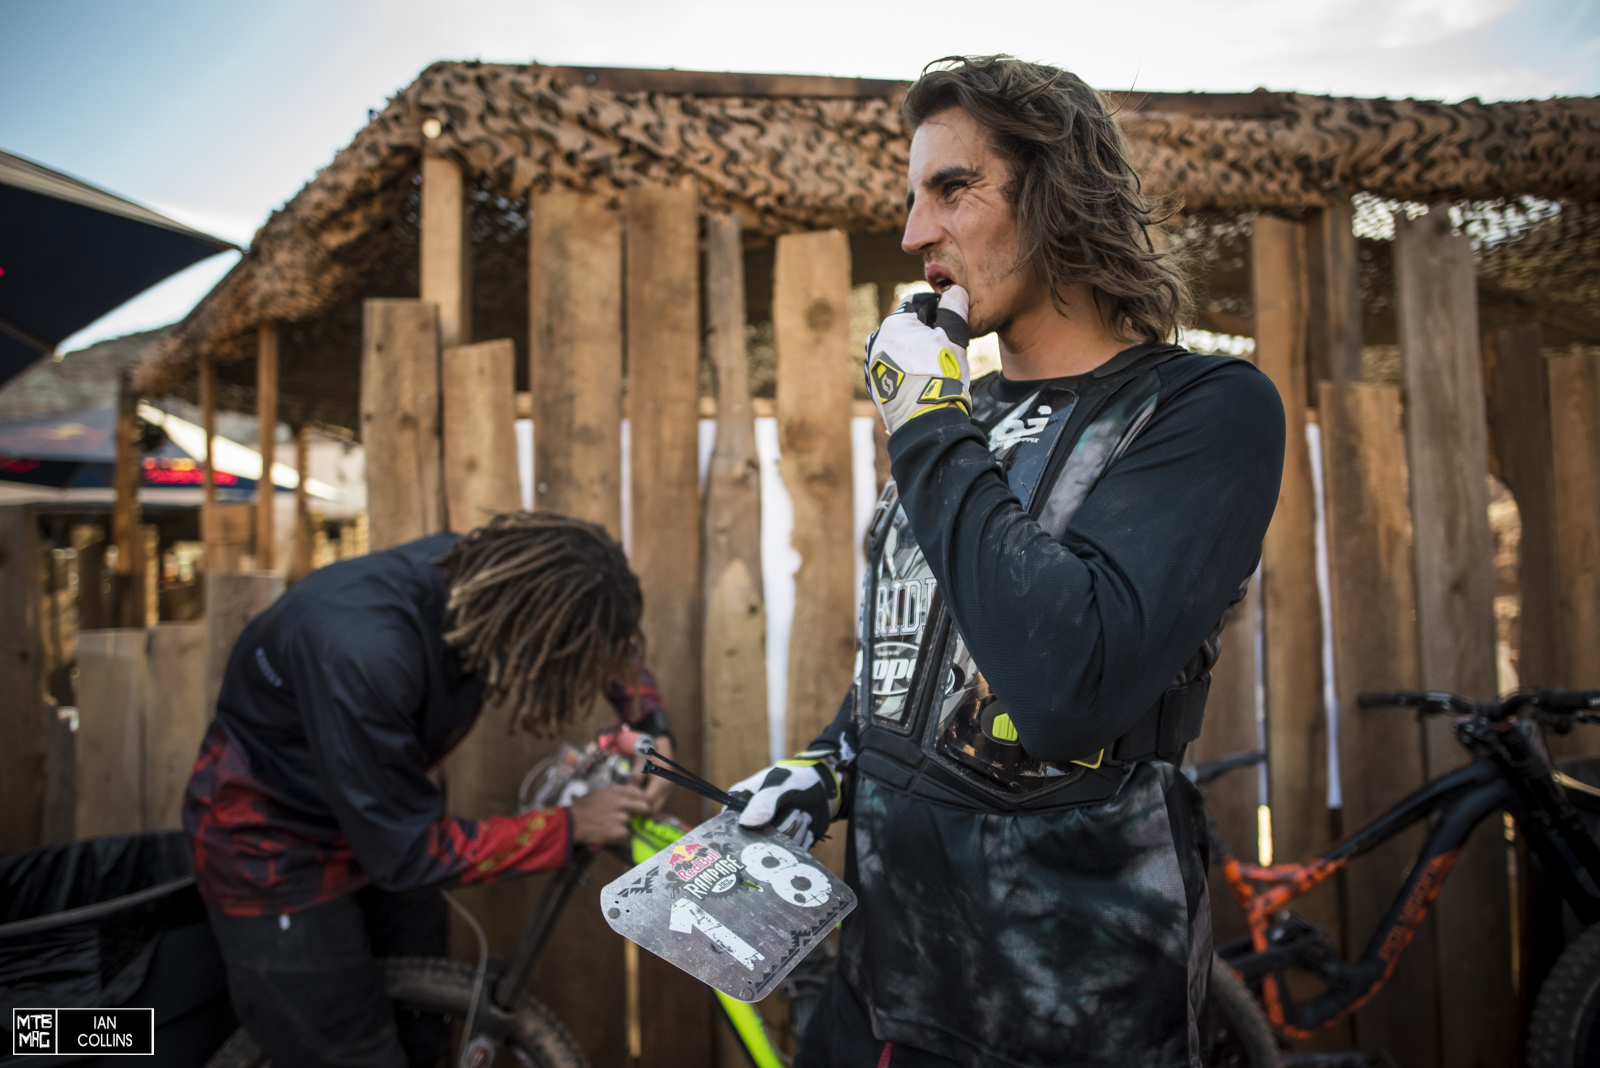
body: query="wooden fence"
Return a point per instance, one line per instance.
(616, 328)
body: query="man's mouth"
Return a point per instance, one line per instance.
(939, 278)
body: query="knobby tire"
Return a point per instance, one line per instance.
(1565, 1029)
(442, 986)
(1238, 1034)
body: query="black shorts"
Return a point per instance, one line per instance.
(840, 1036)
(306, 985)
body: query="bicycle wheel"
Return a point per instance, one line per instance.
(442, 986)
(1565, 1030)
(1238, 1034)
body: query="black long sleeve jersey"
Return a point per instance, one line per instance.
(1080, 636)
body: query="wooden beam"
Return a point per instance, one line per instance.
(232, 599)
(1297, 736)
(110, 737)
(1334, 336)
(663, 315)
(811, 321)
(445, 271)
(208, 423)
(575, 355)
(400, 421)
(266, 445)
(478, 383)
(128, 581)
(735, 662)
(1230, 727)
(301, 563)
(1575, 404)
(173, 717)
(1447, 453)
(1520, 454)
(575, 375)
(22, 657)
(1373, 593)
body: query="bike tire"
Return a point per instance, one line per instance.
(442, 986)
(1238, 1034)
(1565, 1029)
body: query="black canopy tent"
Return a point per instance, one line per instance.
(70, 252)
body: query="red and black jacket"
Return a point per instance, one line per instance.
(337, 701)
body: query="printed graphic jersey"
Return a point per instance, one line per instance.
(337, 701)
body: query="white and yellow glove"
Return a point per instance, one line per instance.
(800, 796)
(917, 360)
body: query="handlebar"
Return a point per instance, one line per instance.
(1579, 705)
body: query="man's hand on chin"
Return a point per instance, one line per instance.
(913, 367)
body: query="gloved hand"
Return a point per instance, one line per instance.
(917, 360)
(801, 795)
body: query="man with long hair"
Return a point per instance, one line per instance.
(319, 836)
(1047, 582)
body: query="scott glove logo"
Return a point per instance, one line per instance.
(886, 378)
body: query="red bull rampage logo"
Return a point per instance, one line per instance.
(703, 868)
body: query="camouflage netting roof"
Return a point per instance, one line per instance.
(805, 153)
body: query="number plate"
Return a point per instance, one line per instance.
(735, 909)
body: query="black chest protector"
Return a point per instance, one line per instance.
(928, 722)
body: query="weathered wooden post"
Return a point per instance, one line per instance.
(810, 314)
(1575, 400)
(1521, 445)
(480, 437)
(575, 373)
(735, 663)
(1333, 336)
(1447, 453)
(208, 493)
(300, 562)
(445, 270)
(110, 737)
(266, 445)
(1372, 585)
(662, 297)
(128, 593)
(1297, 741)
(22, 723)
(400, 421)
(173, 718)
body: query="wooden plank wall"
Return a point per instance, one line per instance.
(663, 316)
(734, 668)
(22, 655)
(232, 599)
(811, 321)
(479, 432)
(1520, 454)
(173, 716)
(1373, 594)
(266, 445)
(1230, 727)
(1575, 403)
(575, 367)
(1447, 454)
(110, 742)
(400, 421)
(1297, 740)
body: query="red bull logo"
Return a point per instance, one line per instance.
(689, 859)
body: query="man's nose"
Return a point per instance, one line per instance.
(921, 232)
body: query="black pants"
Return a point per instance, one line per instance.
(307, 986)
(840, 1036)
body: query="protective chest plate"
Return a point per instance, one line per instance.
(901, 610)
(735, 909)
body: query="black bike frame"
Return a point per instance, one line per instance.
(1507, 773)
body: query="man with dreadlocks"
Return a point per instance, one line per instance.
(1045, 593)
(319, 838)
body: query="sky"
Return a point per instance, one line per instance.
(217, 113)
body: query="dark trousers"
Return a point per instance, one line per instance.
(307, 986)
(840, 1036)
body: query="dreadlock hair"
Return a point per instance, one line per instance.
(1081, 215)
(545, 608)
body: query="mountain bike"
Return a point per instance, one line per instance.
(494, 1013)
(1556, 809)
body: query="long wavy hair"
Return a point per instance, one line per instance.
(1081, 216)
(545, 608)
